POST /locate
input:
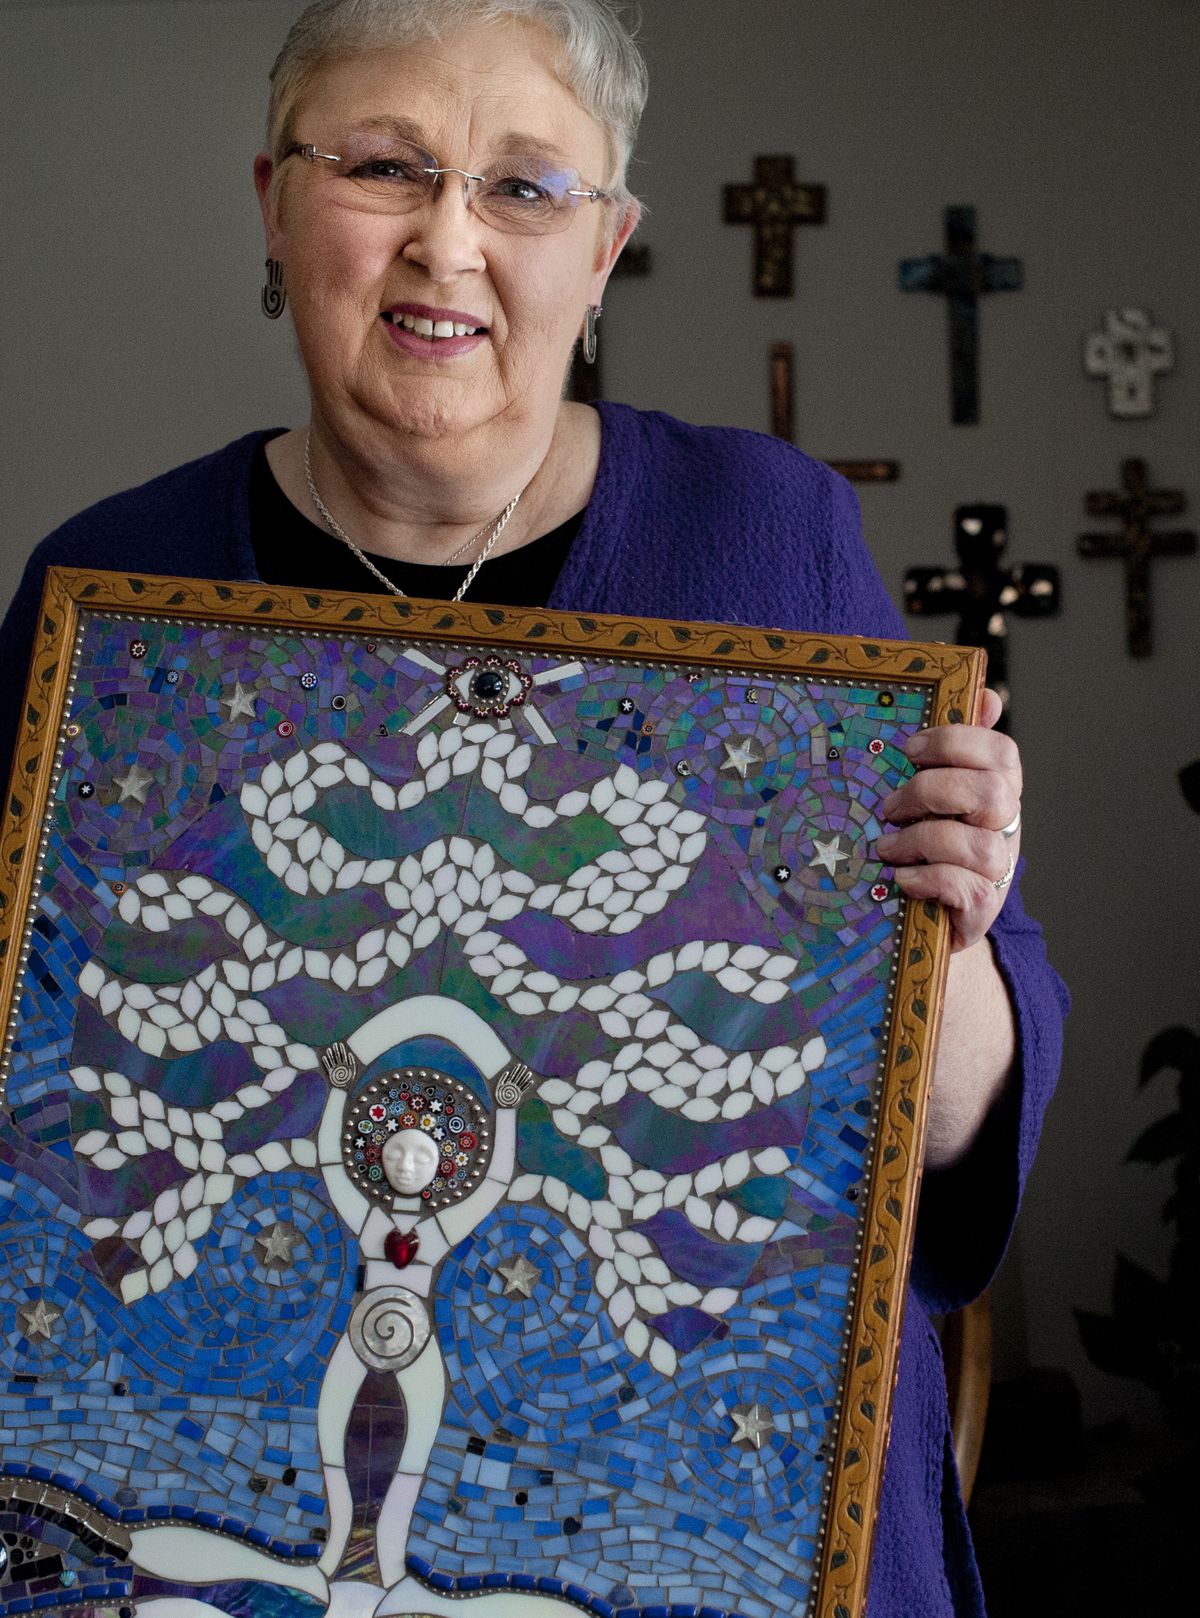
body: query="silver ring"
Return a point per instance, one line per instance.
(1008, 875)
(1013, 826)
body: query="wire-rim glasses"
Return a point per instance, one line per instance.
(526, 195)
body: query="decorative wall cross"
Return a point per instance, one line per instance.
(982, 591)
(1130, 351)
(775, 203)
(1135, 545)
(586, 384)
(783, 396)
(962, 275)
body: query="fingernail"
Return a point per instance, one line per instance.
(888, 805)
(886, 843)
(916, 744)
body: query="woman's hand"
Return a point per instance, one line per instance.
(950, 846)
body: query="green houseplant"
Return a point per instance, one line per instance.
(1153, 1331)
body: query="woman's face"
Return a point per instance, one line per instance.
(410, 1161)
(467, 100)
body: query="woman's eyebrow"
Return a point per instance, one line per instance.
(512, 144)
(515, 143)
(384, 124)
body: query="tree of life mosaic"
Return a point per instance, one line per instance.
(463, 1093)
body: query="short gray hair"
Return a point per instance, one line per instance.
(599, 60)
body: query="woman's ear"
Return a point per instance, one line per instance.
(611, 248)
(268, 201)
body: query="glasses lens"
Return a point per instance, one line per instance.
(390, 176)
(527, 196)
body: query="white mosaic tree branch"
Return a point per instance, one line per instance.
(454, 886)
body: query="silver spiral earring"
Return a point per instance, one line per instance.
(589, 332)
(274, 294)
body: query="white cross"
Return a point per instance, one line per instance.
(1130, 352)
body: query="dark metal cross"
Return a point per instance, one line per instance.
(783, 393)
(586, 385)
(1136, 546)
(774, 204)
(982, 591)
(962, 275)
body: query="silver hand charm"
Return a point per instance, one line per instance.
(513, 1084)
(340, 1064)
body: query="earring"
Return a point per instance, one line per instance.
(589, 332)
(274, 294)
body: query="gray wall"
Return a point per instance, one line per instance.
(132, 339)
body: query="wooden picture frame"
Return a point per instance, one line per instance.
(303, 894)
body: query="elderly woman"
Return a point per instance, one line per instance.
(444, 199)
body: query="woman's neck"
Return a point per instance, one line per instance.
(425, 503)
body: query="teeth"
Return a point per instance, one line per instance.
(426, 328)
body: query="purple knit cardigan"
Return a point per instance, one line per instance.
(720, 525)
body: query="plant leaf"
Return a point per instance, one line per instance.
(1139, 1297)
(1176, 1047)
(1165, 1138)
(1112, 1346)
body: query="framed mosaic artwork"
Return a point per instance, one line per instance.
(464, 1084)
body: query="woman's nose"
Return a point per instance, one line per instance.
(445, 234)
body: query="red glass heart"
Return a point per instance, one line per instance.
(401, 1249)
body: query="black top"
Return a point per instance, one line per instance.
(289, 549)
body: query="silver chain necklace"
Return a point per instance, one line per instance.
(339, 532)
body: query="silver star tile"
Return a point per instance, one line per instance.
(752, 1424)
(520, 1277)
(829, 855)
(134, 784)
(743, 756)
(276, 1245)
(40, 1320)
(240, 704)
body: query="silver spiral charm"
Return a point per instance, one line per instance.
(274, 294)
(512, 1085)
(389, 1328)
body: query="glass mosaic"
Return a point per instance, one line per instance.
(442, 1087)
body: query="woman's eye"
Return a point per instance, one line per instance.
(516, 188)
(387, 168)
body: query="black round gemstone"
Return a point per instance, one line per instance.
(572, 1525)
(521, 1497)
(339, 702)
(488, 685)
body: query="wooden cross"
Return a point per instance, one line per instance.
(1136, 546)
(1129, 351)
(783, 421)
(962, 275)
(586, 386)
(982, 591)
(774, 204)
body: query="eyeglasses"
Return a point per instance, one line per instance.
(524, 195)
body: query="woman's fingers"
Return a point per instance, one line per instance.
(984, 797)
(951, 811)
(977, 851)
(971, 902)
